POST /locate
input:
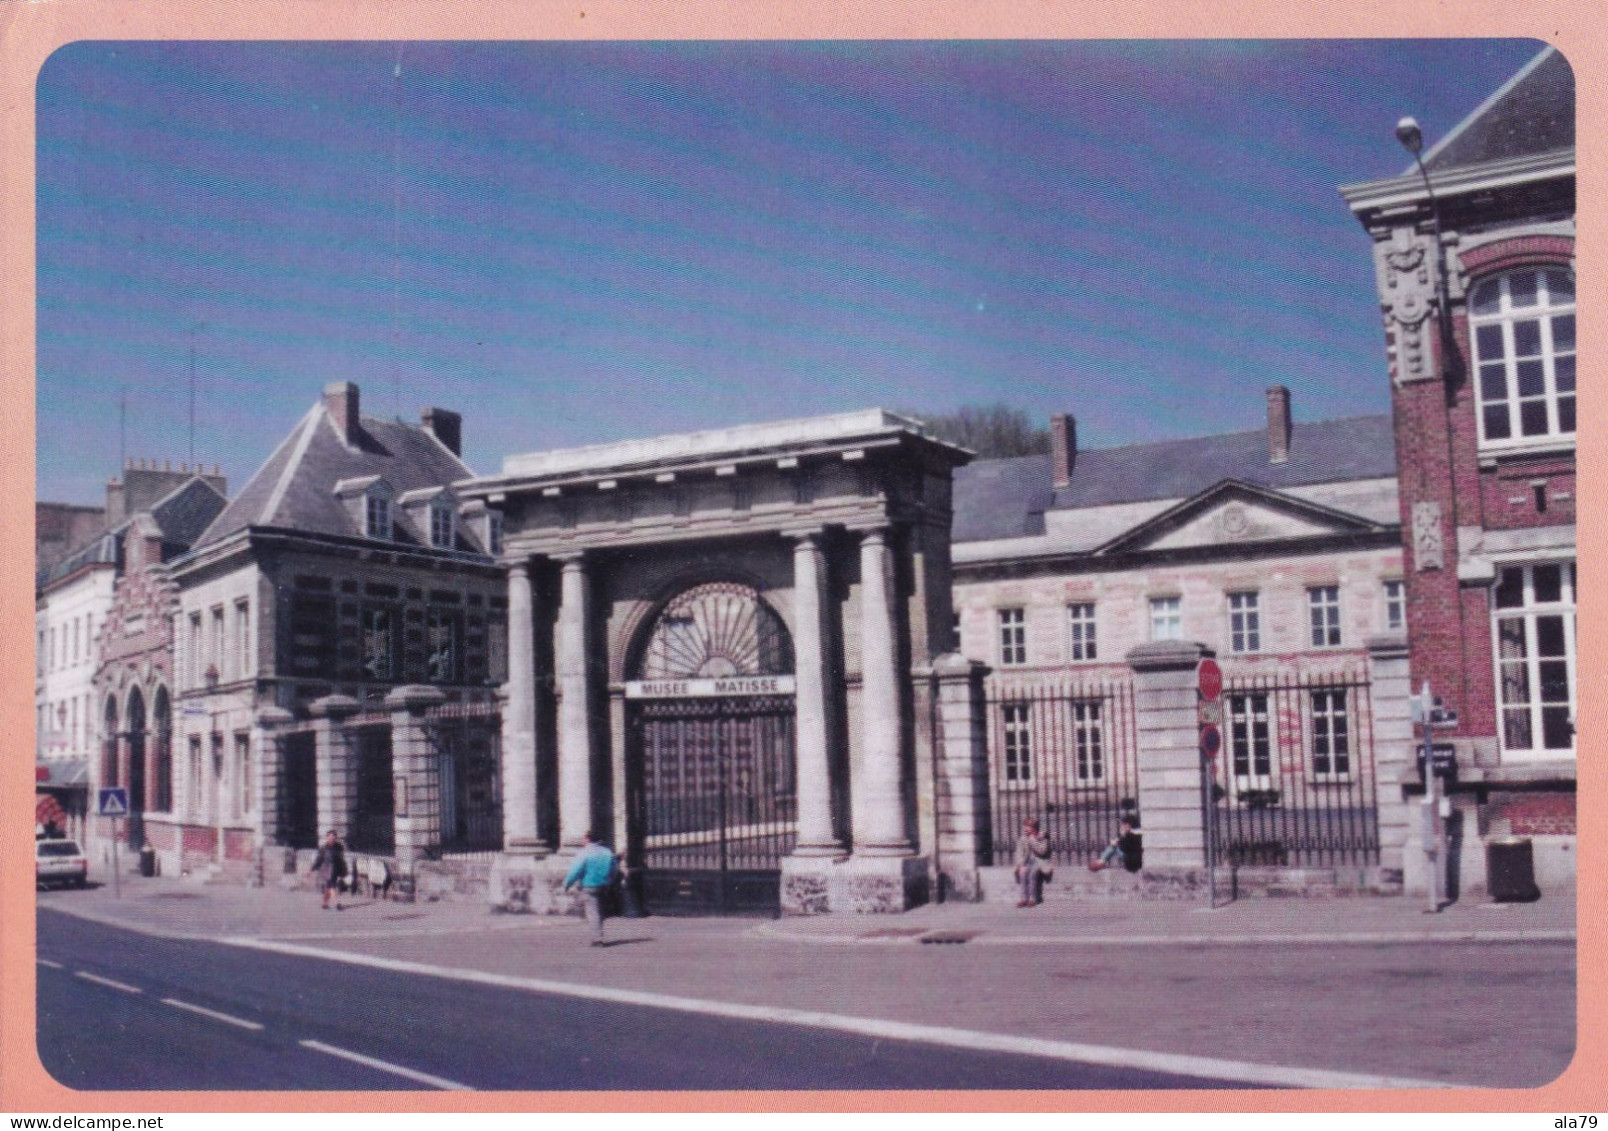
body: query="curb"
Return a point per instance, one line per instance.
(982, 938)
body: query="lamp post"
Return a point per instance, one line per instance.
(1412, 140)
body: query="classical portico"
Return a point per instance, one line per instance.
(720, 654)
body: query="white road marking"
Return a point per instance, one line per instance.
(98, 980)
(1211, 1068)
(49, 963)
(212, 1013)
(386, 1066)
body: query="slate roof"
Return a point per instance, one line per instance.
(181, 515)
(1007, 498)
(295, 488)
(1533, 113)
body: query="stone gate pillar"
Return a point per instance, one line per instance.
(963, 815)
(574, 708)
(1395, 761)
(416, 773)
(336, 763)
(1167, 719)
(816, 836)
(519, 717)
(270, 761)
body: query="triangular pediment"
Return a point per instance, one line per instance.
(1232, 513)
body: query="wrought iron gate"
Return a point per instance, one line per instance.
(1066, 753)
(1295, 783)
(714, 802)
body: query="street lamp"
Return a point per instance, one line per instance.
(1412, 140)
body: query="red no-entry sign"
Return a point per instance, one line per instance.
(1211, 679)
(1211, 741)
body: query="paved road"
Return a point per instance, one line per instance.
(123, 1010)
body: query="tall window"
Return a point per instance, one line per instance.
(1018, 767)
(243, 638)
(1535, 653)
(1250, 741)
(379, 644)
(1012, 637)
(442, 527)
(218, 655)
(192, 786)
(1166, 618)
(1395, 606)
(192, 657)
(1080, 630)
(242, 774)
(494, 527)
(441, 647)
(377, 509)
(1244, 623)
(1088, 736)
(1323, 605)
(1524, 345)
(1331, 736)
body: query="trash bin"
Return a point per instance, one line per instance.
(147, 861)
(1510, 870)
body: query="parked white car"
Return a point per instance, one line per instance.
(60, 862)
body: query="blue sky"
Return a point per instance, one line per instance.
(572, 243)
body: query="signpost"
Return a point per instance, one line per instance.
(114, 804)
(1209, 686)
(1439, 765)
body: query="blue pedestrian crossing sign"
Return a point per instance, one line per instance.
(114, 802)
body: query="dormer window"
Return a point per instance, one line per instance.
(1524, 347)
(443, 525)
(377, 509)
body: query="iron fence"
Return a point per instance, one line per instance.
(1066, 753)
(469, 759)
(1295, 782)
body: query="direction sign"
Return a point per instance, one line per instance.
(114, 802)
(1211, 741)
(1211, 679)
(1211, 712)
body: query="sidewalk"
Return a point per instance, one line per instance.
(187, 909)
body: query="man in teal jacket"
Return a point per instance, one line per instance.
(594, 871)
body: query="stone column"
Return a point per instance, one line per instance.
(519, 717)
(416, 774)
(1166, 703)
(814, 775)
(574, 707)
(963, 812)
(269, 769)
(336, 764)
(878, 807)
(1395, 764)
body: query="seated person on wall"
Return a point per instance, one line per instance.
(1126, 848)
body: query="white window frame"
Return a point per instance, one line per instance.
(1394, 593)
(1498, 327)
(1012, 637)
(1333, 736)
(1529, 613)
(1324, 617)
(1242, 712)
(192, 658)
(377, 518)
(494, 532)
(242, 774)
(217, 649)
(443, 526)
(1082, 633)
(1245, 621)
(242, 610)
(1089, 761)
(1016, 746)
(1166, 618)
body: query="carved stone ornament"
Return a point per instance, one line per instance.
(1429, 544)
(1407, 292)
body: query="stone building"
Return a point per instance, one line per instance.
(742, 628)
(1082, 577)
(1477, 288)
(339, 638)
(78, 597)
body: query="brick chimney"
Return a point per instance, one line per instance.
(1278, 424)
(1063, 449)
(444, 426)
(341, 399)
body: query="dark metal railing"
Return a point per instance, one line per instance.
(1067, 753)
(1295, 784)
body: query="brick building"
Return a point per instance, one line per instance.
(1480, 342)
(339, 638)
